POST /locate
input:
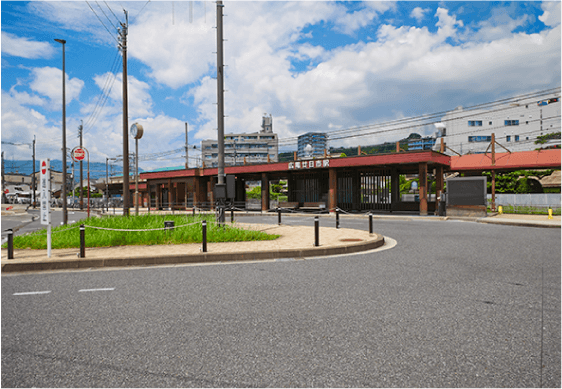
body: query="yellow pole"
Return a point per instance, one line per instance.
(500, 210)
(549, 213)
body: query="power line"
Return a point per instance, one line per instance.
(116, 18)
(426, 119)
(102, 22)
(104, 14)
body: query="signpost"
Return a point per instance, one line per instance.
(46, 201)
(78, 154)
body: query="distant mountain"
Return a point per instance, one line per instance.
(97, 169)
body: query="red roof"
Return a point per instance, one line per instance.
(537, 159)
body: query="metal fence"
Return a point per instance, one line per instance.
(539, 200)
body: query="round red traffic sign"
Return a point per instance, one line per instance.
(44, 167)
(78, 154)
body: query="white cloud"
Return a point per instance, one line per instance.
(47, 81)
(138, 93)
(551, 15)
(20, 124)
(25, 47)
(25, 98)
(177, 55)
(499, 26)
(408, 69)
(418, 13)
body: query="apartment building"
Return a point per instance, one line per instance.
(255, 147)
(312, 144)
(517, 124)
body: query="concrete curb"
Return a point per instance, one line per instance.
(519, 223)
(197, 258)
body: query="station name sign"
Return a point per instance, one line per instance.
(309, 164)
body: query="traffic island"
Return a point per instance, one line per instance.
(293, 242)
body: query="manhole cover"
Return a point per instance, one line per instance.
(351, 240)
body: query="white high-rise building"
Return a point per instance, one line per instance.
(255, 147)
(517, 125)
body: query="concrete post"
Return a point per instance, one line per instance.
(264, 192)
(423, 188)
(333, 189)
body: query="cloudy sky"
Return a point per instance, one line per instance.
(312, 65)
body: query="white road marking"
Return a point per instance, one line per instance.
(26, 293)
(96, 290)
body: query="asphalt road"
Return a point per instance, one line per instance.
(23, 221)
(454, 304)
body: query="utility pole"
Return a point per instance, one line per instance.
(220, 104)
(63, 191)
(80, 129)
(186, 149)
(33, 175)
(123, 47)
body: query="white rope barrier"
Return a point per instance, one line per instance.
(144, 230)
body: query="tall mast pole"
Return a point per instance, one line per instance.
(186, 148)
(123, 31)
(220, 105)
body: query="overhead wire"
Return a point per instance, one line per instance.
(102, 22)
(422, 120)
(109, 20)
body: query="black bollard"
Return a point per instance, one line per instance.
(337, 218)
(204, 227)
(278, 216)
(193, 209)
(316, 232)
(82, 241)
(10, 244)
(231, 215)
(370, 223)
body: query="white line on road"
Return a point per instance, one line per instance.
(26, 293)
(96, 290)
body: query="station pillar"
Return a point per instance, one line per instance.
(333, 190)
(423, 188)
(439, 185)
(264, 192)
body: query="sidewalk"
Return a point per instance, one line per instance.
(523, 220)
(300, 240)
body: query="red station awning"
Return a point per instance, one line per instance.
(537, 159)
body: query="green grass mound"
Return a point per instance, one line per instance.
(188, 230)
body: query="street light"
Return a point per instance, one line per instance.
(136, 132)
(63, 194)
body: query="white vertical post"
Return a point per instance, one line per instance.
(46, 199)
(49, 241)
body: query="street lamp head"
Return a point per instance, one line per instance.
(61, 41)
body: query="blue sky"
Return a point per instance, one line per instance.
(314, 66)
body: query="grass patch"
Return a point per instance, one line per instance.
(528, 210)
(69, 236)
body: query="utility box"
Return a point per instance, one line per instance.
(230, 186)
(466, 196)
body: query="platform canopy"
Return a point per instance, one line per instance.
(536, 159)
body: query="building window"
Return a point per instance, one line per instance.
(475, 123)
(508, 138)
(490, 123)
(480, 138)
(511, 122)
(517, 138)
